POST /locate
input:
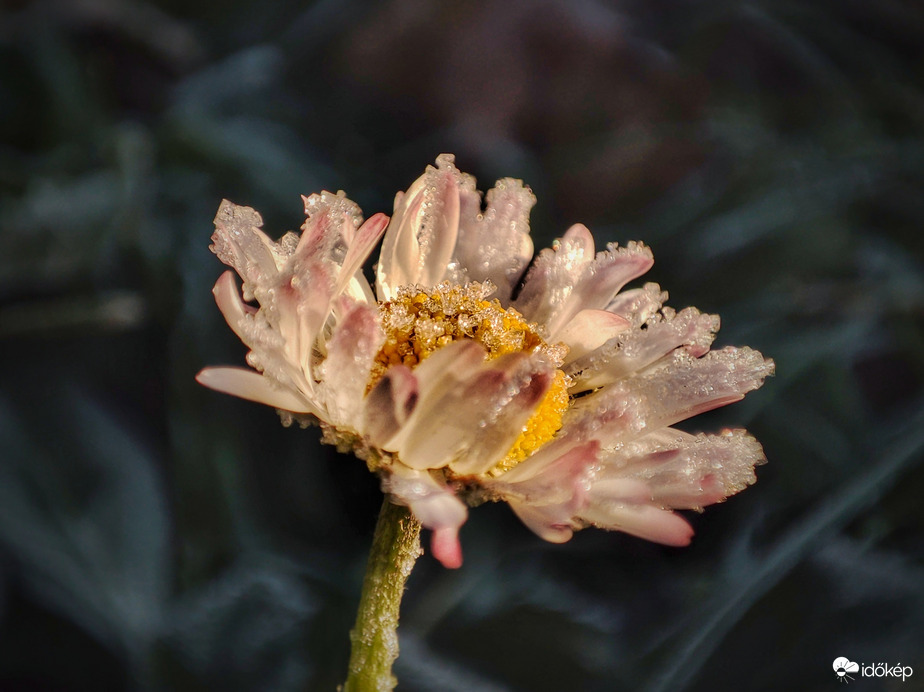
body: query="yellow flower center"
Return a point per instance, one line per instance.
(418, 323)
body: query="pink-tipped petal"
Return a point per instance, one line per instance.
(600, 281)
(366, 238)
(435, 506)
(444, 543)
(671, 391)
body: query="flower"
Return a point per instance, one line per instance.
(460, 380)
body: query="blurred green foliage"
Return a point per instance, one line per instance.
(154, 535)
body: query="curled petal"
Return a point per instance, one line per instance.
(366, 238)
(239, 243)
(566, 281)
(496, 400)
(234, 310)
(551, 523)
(422, 235)
(548, 490)
(638, 305)
(329, 228)
(444, 372)
(446, 547)
(554, 274)
(389, 405)
(435, 506)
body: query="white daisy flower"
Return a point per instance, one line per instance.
(460, 380)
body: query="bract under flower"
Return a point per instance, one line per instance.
(558, 401)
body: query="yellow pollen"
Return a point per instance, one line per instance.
(541, 427)
(417, 323)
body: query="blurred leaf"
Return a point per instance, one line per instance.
(85, 519)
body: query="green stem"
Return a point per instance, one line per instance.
(395, 549)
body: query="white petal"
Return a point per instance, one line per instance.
(250, 385)
(234, 310)
(645, 521)
(600, 281)
(389, 405)
(587, 331)
(495, 245)
(637, 348)
(552, 278)
(329, 228)
(350, 353)
(470, 423)
(505, 401)
(444, 371)
(421, 237)
(360, 247)
(691, 472)
(239, 243)
(550, 523)
(638, 305)
(671, 391)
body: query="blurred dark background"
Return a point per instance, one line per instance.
(156, 535)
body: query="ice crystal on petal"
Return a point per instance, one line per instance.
(557, 402)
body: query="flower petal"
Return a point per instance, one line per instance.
(389, 404)
(435, 506)
(548, 489)
(495, 245)
(551, 523)
(690, 471)
(564, 281)
(250, 385)
(239, 243)
(587, 331)
(366, 238)
(350, 353)
(421, 237)
(474, 421)
(670, 391)
(645, 521)
(637, 348)
(232, 307)
(552, 278)
(510, 400)
(445, 546)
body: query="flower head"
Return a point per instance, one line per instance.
(463, 376)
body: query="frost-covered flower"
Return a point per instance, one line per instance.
(460, 380)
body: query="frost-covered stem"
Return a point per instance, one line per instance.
(395, 549)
